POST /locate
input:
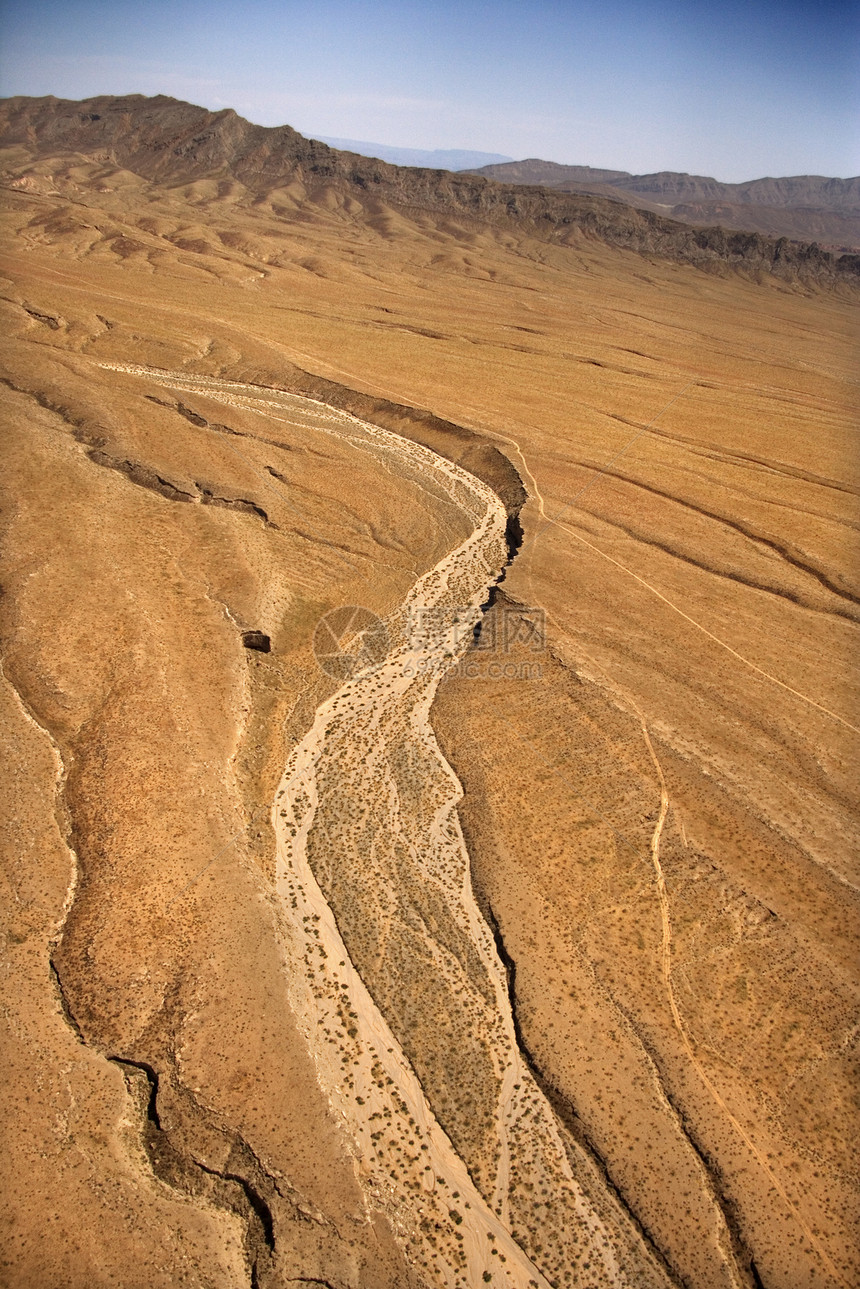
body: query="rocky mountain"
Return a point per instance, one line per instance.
(809, 191)
(548, 174)
(801, 207)
(164, 140)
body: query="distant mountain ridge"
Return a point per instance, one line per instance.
(435, 159)
(548, 174)
(165, 141)
(793, 190)
(796, 206)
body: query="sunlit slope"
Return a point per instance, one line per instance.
(661, 825)
(142, 539)
(172, 143)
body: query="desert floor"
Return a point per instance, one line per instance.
(612, 988)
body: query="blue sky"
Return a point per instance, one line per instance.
(734, 88)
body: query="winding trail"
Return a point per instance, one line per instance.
(676, 608)
(666, 969)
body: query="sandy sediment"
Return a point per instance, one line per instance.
(459, 1233)
(479, 1188)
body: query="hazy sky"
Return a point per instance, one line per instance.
(733, 88)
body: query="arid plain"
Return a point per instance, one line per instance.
(612, 1040)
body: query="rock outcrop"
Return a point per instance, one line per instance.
(164, 140)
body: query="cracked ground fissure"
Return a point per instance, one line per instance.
(565, 1109)
(180, 1169)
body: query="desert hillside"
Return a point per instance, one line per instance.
(171, 142)
(428, 645)
(801, 207)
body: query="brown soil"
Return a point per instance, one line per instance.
(659, 806)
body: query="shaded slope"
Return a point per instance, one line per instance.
(801, 207)
(169, 141)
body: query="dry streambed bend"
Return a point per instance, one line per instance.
(392, 969)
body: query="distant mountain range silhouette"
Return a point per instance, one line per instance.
(435, 159)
